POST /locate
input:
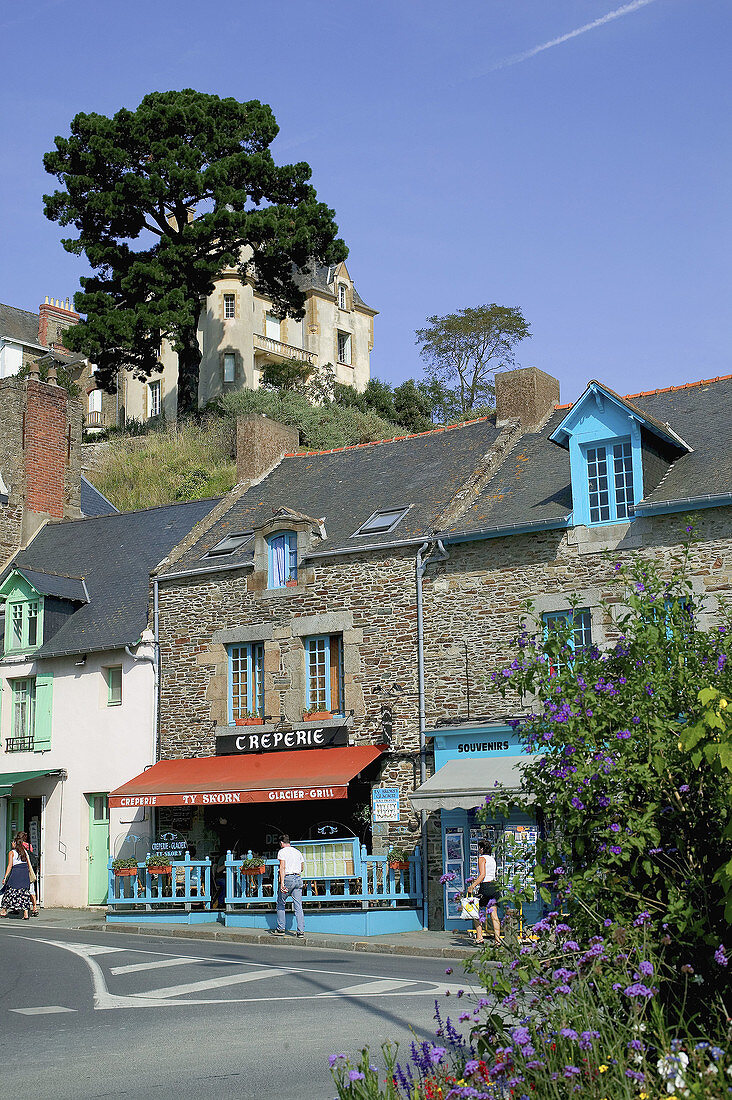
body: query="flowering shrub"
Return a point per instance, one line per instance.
(632, 770)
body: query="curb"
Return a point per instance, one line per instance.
(226, 935)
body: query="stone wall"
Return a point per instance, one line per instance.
(12, 466)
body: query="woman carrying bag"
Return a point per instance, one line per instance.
(488, 892)
(18, 877)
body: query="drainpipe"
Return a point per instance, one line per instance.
(420, 566)
(155, 662)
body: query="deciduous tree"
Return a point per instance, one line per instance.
(463, 350)
(163, 198)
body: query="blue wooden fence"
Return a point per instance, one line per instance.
(188, 884)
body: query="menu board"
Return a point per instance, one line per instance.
(518, 855)
(454, 864)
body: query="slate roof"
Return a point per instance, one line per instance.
(94, 503)
(346, 486)
(533, 484)
(320, 277)
(114, 555)
(50, 584)
(19, 324)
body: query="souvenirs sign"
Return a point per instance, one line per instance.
(256, 739)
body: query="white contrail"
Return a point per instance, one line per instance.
(625, 10)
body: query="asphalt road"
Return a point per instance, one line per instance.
(100, 1014)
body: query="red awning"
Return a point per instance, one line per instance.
(310, 774)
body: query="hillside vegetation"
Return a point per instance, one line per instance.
(196, 458)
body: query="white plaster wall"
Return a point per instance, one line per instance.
(99, 746)
(11, 358)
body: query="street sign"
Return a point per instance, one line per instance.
(385, 802)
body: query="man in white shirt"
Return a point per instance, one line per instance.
(291, 865)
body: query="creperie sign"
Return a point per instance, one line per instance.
(231, 798)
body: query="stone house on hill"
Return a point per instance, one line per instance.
(239, 335)
(355, 602)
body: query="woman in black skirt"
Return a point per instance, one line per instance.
(488, 892)
(16, 884)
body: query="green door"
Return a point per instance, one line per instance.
(98, 848)
(16, 818)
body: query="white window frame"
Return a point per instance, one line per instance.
(342, 296)
(229, 306)
(365, 529)
(154, 396)
(229, 360)
(345, 356)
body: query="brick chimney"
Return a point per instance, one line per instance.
(40, 459)
(54, 317)
(260, 443)
(527, 394)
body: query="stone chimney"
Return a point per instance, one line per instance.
(55, 316)
(527, 394)
(40, 459)
(260, 443)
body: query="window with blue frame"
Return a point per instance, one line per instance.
(281, 559)
(609, 481)
(577, 621)
(324, 673)
(246, 681)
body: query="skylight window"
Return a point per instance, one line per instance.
(379, 522)
(228, 545)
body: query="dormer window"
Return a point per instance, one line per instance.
(610, 481)
(282, 559)
(22, 625)
(379, 522)
(342, 296)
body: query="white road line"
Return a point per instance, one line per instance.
(97, 949)
(384, 985)
(41, 1011)
(131, 968)
(211, 983)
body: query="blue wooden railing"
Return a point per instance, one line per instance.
(373, 884)
(188, 883)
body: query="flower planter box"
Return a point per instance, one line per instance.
(123, 872)
(399, 865)
(253, 870)
(317, 716)
(249, 721)
(160, 870)
(290, 584)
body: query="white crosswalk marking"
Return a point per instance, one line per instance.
(211, 983)
(131, 968)
(41, 1011)
(382, 985)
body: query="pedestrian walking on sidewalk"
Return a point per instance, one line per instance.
(488, 892)
(290, 885)
(16, 883)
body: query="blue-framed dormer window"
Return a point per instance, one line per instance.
(281, 559)
(610, 481)
(324, 673)
(246, 681)
(575, 623)
(605, 436)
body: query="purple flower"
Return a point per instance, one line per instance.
(641, 919)
(333, 1058)
(683, 788)
(720, 955)
(436, 1055)
(571, 1071)
(615, 849)
(449, 876)
(471, 1066)
(623, 735)
(637, 989)
(615, 828)
(355, 1075)
(607, 922)
(721, 662)
(645, 968)
(568, 1033)
(635, 1044)
(521, 1036)
(571, 945)
(563, 928)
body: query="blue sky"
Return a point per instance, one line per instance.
(588, 184)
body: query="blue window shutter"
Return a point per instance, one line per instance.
(44, 708)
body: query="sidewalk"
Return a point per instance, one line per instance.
(444, 945)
